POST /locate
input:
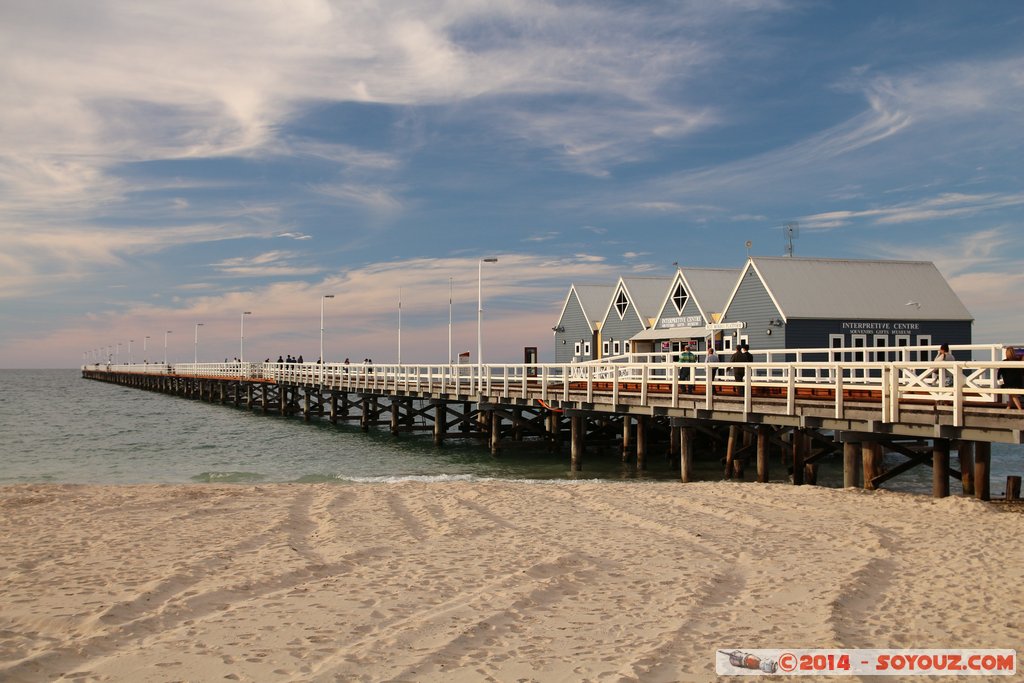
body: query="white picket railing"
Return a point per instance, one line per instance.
(893, 385)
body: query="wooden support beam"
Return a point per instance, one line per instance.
(495, 432)
(730, 450)
(627, 428)
(965, 451)
(763, 432)
(641, 442)
(871, 457)
(440, 422)
(577, 439)
(686, 453)
(940, 468)
(851, 464)
(982, 469)
(1012, 488)
(799, 451)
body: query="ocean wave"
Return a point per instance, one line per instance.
(228, 477)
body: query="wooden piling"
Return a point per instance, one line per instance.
(940, 468)
(852, 467)
(966, 453)
(641, 442)
(440, 422)
(627, 428)
(982, 469)
(730, 449)
(762, 453)
(799, 451)
(495, 432)
(577, 439)
(395, 414)
(871, 457)
(1012, 488)
(673, 445)
(686, 453)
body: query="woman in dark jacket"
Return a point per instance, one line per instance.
(1013, 378)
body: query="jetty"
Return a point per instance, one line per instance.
(792, 407)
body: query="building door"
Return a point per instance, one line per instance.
(858, 341)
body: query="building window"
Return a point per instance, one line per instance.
(679, 297)
(621, 303)
(616, 347)
(604, 348)
(577, 348)
(586, 349)
(629, 346)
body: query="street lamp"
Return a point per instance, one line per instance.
(131, 358)
(117, 356)
(196, 360)
(325, 296)
(449, 320)
(241, 338)
(480, 308)
(145, 344)
(399, 325)
(165, 345)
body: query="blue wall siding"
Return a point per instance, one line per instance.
(576, 328)
(754, 306)
(615, 329)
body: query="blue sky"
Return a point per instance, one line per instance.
(168, 163)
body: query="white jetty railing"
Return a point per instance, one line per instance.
(894, 384)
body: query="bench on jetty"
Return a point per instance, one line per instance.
(805, 409)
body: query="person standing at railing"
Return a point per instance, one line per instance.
(945, 356)
(738, 359)
(1012, 377)
(711, 358)
(685, 359)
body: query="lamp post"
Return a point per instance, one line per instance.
(450, 359)
(165, 345)
(131, 358)
(241, 337)
(145, 343)
(399, 325)
(480, 308)
(117, 356)
(322, 298)
(196, 343)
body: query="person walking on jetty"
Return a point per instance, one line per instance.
(1012, 378)
(685, 358)
(945, 356)
(738, 359)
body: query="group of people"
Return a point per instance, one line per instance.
(1009, 377)
(686, 357)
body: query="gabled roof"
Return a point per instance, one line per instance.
(593, 300)
(644, 294)
(709, 288)
(844, 288)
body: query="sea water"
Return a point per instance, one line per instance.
(56, 426)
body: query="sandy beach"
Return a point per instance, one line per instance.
(486, 581)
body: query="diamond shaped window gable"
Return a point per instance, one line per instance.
(621, 303)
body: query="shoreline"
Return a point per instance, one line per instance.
(485, 580)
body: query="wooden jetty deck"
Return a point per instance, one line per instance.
(801, 410)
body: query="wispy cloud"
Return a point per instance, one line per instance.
(946, 205)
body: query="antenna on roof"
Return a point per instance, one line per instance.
(792, 231)
(748, 245)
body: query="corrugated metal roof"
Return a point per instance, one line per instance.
(834, 288)
(594, 300)
(711, 286)
(647, 294)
